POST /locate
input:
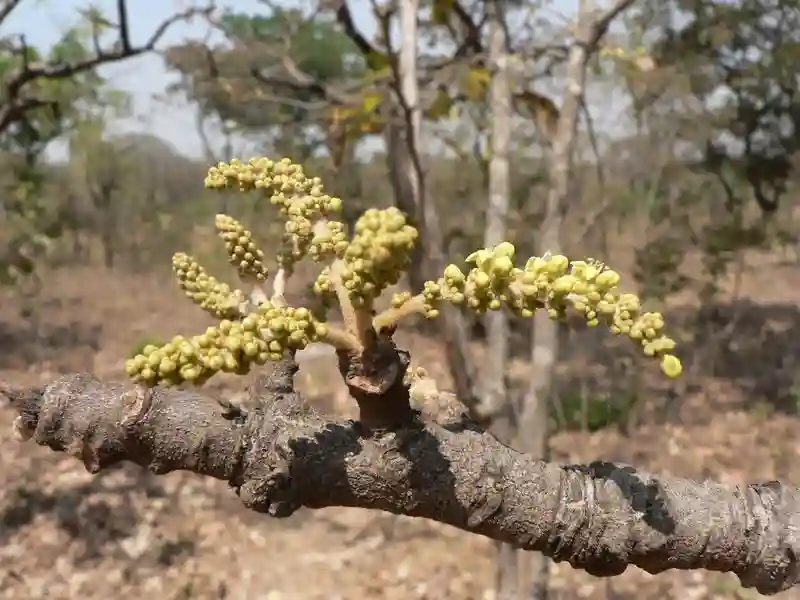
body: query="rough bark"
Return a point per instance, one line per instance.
(283, 455)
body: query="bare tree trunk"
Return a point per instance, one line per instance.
(210, 155)
(533, 433)
(494, 392)
(400, 168)
(408, 180)
(106, 222)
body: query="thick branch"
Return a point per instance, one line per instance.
(17, 102)
(345, 18)
(599, 517)
(7, 8)
(300, 81)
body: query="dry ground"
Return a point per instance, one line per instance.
(67, 535)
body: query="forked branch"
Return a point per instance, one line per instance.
(18, 96)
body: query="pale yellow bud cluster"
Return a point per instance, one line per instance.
(329, 241)
(300, 198)
(375, 258)
(231, 347)
(243, 252)
(553, 283)
(358, 271)
(213, 296)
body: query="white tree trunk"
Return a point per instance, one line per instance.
(409, 88)
(494, 393)
(533, 435)
(403, 141)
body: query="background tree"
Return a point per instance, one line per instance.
(246, 79)
(41, 98)
(119, 188)
(499, 184)
(737, 63)
(644, 195)
(718, 95)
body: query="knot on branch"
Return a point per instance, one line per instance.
(27, 403)
(267, 486)
(376, 381)
(277, 380)
(289, 452)
(278, 417)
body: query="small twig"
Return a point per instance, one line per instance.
(7, 9)
(357, 321)
(279, 287)
(341, 340)
(257, 295)
(393, 316)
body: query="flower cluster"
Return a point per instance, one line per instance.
(356, 271)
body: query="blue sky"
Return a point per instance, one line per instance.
(42, 21)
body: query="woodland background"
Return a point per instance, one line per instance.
(689, 189)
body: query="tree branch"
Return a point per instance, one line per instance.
(287, 75)
(599, 517)
(7, 8)
(345, 18)
(16, 102)
(300, 80)
(598, 23)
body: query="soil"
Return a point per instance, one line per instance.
(65, 534)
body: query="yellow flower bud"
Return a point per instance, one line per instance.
(564, 284)
(535, 265)
(557, 264)
(481, 279)
(607, 279)
(505, 249)
(671, 365)
(502, 266)
(454, 274)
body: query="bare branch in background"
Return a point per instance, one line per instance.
(407, 174)
(7, 8)
(18, 100)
